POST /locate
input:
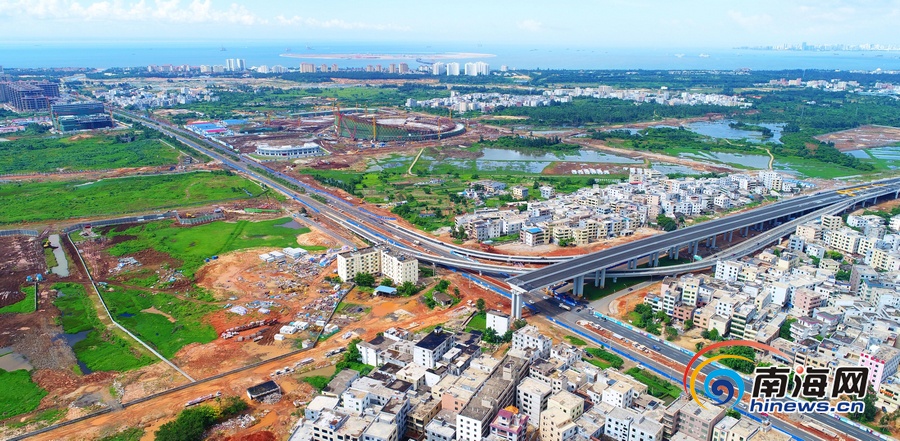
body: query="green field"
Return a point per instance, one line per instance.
(603, 358)
(38, 201)
(192, 246)
(478, 322)
(19, 394)
(101, 350)
(23, 306)
(656, 386)
(129, 306)
(575, 340)
(49, 154)
(592, 292)
(132, 434)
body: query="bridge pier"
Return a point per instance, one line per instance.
(713, 242)
(728, 236)
(673, 253)
(654, 259)
(578, 289)
(516, 307)
(600, 278)
(745, 231)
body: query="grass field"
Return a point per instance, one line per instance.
(44, 418)
(131, 434)
(166, 335)
(38, 201)
(193, 245)
(19, 394)
(575, 340)
(478, 322)
(592, 292)
(23, 306)
(656, 386)
(49, 154)
(603, 356)
(101, 350)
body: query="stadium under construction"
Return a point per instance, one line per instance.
(386, 128)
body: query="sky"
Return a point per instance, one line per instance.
(585, 23)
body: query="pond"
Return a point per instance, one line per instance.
(62, 264)
(721, 129)
(581, 155)
(752, 161)
(70, 340)
(667, 169)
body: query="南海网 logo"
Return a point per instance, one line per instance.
(723, 385)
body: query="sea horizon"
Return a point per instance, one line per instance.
(103, 55)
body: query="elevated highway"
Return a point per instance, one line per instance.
(671, 243)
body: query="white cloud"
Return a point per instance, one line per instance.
(165, 11)
(531, 25)
(336, 24)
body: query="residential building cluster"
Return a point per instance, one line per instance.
(456, 69)
(488, 102)
(599, 213)
(398, 267)
(29, 96)
(127, 96)
(441, 387)
(834, 322)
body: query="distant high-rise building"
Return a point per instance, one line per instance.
(278, 69)
(307, 68)
(370, 68)
(218, 68)
(263, 69)
(240, 65)
(453, 69)
(438, 68)
(205, 68)
(323, 68)
(503, 68)
(392, 68)
(482, 68)
(377, 68)
(334, 67)
(404, 68)
(470, 69)
(230, 65)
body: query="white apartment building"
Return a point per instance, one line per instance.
(398, 267)
(556, 426)
(729, 270)
(620, 394)
(529, 337)
(531, 397)
(351, 263)
(845, 240)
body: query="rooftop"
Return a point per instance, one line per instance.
(434, 339)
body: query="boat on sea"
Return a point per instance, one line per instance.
(704, 55)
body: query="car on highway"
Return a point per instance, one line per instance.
(531, 302)
(545, 297)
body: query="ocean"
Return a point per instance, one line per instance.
(94, 55)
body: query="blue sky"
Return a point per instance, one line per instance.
(613, 23)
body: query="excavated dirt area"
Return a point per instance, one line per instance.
(407, 313)
(21, 257)
(862, 137)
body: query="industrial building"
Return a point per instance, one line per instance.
(288, 151)
(80, 116)
(376, 128)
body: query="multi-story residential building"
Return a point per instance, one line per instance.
(400, 268)
(684, 415)
(810, 232)
(529, 337)
(832, 222)
(628, 425)
(619, 394)
(351, 263)
(729, 270)
(532, 236)
(532, 396)
(845, 240)
(882, 361)
(509, 425)
(547, 192)
(428, 351)
(519, 192)
(557, 426)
